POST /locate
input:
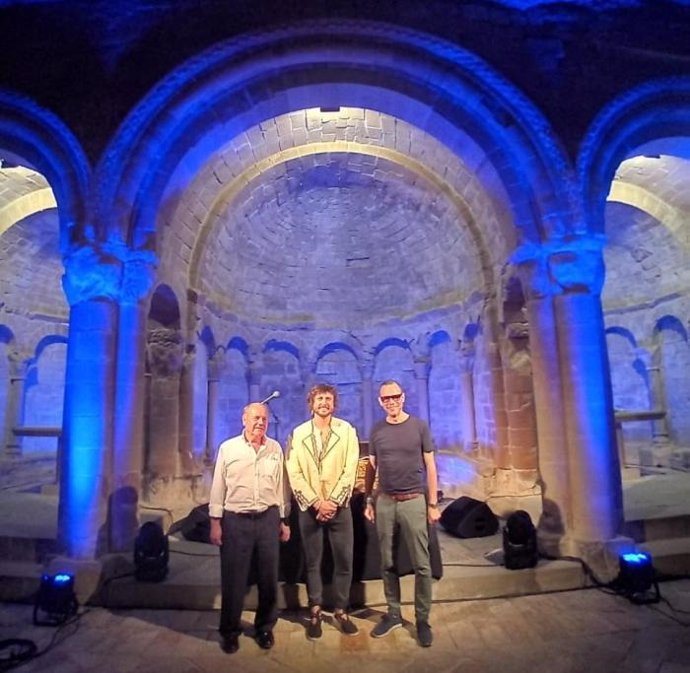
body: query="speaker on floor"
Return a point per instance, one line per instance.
(467, 517)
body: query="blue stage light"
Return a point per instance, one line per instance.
(55, 600)
(637, 577)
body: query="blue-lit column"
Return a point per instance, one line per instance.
(553, 458)
(596, 500)
(91, 288)
(130, 398)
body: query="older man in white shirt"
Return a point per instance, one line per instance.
(249, 506)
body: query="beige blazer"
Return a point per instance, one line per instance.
(329, 475)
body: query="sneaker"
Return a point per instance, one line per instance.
(345, 624)
(314, 626)
(424, 635)
(387, 624)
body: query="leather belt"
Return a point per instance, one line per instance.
(253, 515)
(402, 497)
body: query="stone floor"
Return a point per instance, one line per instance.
(584, 631)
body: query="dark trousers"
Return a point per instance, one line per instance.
(247, 537)
(340, 536)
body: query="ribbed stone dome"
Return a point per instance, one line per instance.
(338, 240)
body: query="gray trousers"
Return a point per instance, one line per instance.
(340, 537)
(405, 523)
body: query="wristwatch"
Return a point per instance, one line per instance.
(370, 500)
(433, 505)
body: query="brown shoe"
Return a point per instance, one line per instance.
(314, 630)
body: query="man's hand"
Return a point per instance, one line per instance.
(216, 535)
(370, 512)
(284, 532)
(327, 510)
(433, 514)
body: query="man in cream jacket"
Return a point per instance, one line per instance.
(322, 466)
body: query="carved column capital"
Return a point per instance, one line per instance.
(166, 351)
(570, 267)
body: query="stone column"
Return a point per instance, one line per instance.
(130, 400)
(596, 499)
(14, 410)
(91, 287)
(166, 350)
(254, 380)
(495, 453)
(548, 404)
(185, 448)
(661, 443)
(368, 396)
(421, 374)
(213, 377)
(469, 420)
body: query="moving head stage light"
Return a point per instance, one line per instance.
(151, 553)
(520, 541)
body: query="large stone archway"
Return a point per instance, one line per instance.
(224, 128)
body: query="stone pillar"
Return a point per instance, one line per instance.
(254, 380)
(368, 396)
(548, 404)
(185, 448)
(661, 443)
(421, 374)
(14, 410)
(588, 401)
(91, 287)
(578, 457)
(213, 377)
(496, 453)
(166, 350)
(469, 420)
(130, 402)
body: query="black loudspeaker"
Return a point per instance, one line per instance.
(467, 517)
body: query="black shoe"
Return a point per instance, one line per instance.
(265, 639)
(346, 625)
(230, 644)
(424, 634)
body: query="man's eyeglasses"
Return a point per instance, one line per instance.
(390, 398)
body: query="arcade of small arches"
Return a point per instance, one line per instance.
(350, 231)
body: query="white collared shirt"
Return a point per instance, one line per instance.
(245, 480)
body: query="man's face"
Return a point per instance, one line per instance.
(323, 405)
(255, 422)
(391, 399)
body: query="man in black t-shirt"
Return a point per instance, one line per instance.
(401, 453)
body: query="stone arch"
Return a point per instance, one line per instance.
(38, 137)
(656, 109)
(446, 90)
